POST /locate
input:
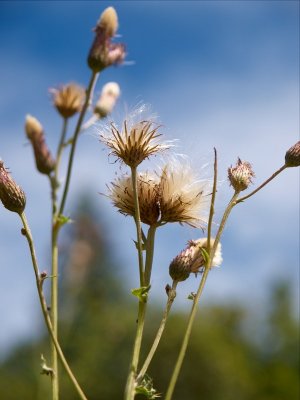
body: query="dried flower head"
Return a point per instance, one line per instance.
(43, 159)
(103, 52)
(11, 195)
(134, 141)
(192, 259)
(183, 198)
(121, 194)
(240, 176)
(292, 156)
(68, 99)
(109, 96)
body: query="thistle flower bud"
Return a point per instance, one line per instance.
(109, 95)
(103, 52)
(292, 156)
(11, 195)
(240, 176)
(44, 162)
(108, 21)
(68, 99)
(192, 259)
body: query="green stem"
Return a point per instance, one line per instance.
(186, 338)
(192, 315)
(60, 148)
(130, 385)
(263, 184)
(212, 203)
(171, 298)
(149, 253)
(39, 284)
(89, 93)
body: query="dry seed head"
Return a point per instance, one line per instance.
(68, 99)
(292, 156)
(109, 95)
(191, 259)
(134, 142)
(44, 162)
(121, 194)
(11, 195)
(240, 176)
(108, 21)
(183, 198)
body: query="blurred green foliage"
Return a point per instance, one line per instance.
(225, 359)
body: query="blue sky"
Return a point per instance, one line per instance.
(223, 74)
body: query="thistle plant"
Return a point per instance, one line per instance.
(172, 192)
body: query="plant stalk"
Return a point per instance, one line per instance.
(89, 94)
(39, 284)
(171, 298)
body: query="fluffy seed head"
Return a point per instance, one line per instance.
(240, 176)
(44, 162)
(11, 195)
(109, 96)
(68, 99)
(292, 156)
(183, 198)
(121, 194)
(108, 21)
(134, 141)
(192, 259)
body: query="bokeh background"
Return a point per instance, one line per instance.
(221, 73)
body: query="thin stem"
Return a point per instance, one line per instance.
(138, 224)
(262, 185)
(89, 93)
(149, 253)
(39, 284)
(130, 385)
(54, 258)
(192, 315)
(212, 203)
(186, 338)
(171, 298)
(91, 121)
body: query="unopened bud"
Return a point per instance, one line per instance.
(43, 159)
(240, 176)
(108, 21)
(68, 99)
(292, 156)
(11, 195)
(103, 52)
(109, 95)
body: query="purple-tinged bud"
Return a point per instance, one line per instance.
(103, 52)
(292, 156)
(192, 259)
(11, 195)
(240, 176)
(43, 159)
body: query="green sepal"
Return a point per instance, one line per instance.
(62, 220)
(191, 296)
(141, 293)
(137, 245)
(205, 255)
(146, 388)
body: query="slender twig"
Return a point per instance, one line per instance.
(192, 315)
(171, 298)
(89, 93)
(186, 338)
(130, 385)
(212, 203)
(262, 185)
(39, 284)
(91, 121)
(149, 253)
